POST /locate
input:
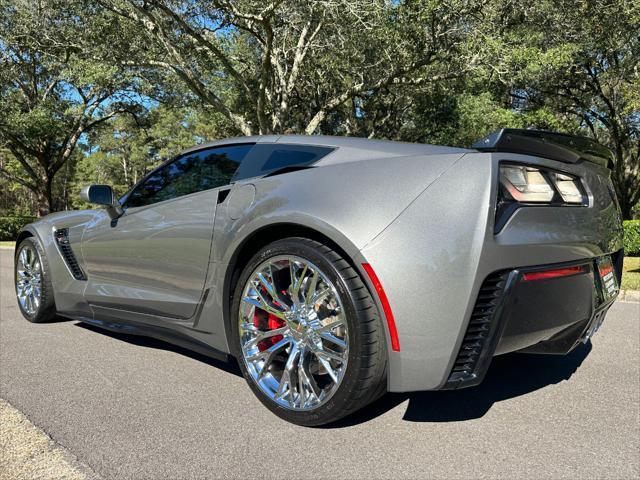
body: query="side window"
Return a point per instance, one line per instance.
(190, 173)
(267, 157)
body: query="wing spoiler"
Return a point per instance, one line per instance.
(555, 146)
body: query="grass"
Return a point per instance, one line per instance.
(8, 244)
(631, 274)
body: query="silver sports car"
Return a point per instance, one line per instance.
(337, 269)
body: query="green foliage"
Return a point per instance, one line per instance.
(631, 237)
(53, 90)
(444, 72)
(11, 226)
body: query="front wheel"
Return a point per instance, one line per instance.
(33, 282)
(307, 333)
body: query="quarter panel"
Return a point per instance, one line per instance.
(352, 201)
(427, 262)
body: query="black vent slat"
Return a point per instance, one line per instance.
(62, 240)
(479, 328)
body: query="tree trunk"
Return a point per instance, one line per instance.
(44, 196)
(626, 205)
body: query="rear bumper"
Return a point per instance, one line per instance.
(548, 316)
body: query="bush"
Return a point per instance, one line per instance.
(631, 237)
(10, 226)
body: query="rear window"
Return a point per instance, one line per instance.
(268, 157)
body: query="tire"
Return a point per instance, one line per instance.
(45, 310)
(363, 372)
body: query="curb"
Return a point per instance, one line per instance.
(29, 452)
(630, 296)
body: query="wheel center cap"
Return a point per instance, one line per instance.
(300, 323)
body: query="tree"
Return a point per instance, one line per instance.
(286, 66)
(581, 61)
(52, 91)
(128, 148)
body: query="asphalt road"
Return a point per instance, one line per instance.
(136, 408)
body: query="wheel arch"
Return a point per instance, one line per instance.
(25, 233)
(267, 234)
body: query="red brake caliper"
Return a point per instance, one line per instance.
(267, 321)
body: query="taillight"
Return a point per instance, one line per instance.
(527, 184)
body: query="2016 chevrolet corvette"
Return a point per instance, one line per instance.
(337, 269)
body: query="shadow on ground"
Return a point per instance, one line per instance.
(142, 341)
(509, 376)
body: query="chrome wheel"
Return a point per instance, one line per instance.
(293, 332)
(29, 280)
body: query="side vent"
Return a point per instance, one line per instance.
(62, 240)
(480, 331)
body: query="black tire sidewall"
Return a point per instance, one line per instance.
(339, 403)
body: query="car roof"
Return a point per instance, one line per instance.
(364, 146)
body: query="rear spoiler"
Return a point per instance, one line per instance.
(555, 146)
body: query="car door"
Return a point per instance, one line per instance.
(154, 259)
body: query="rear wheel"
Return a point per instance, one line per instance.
(307, 333)
(33, 282)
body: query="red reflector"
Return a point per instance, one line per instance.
(605, 269)
(395, 342)
(559, 272)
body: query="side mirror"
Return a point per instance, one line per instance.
(102, 195)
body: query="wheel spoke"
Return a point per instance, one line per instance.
(263, 304)
(329, 326)
(260, 336)
(23, 258)
(302, 395)
(249, 327)
(327, 366)
(28, 302)
(271, 289)
(311, 289)
(333, 339)
(320, 295)
(328, 354)
(286, 378)
(32, 259)
(269, 355)
(269, 352)
(296, 283)
(303, 372)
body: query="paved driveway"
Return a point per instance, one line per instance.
(136, 408)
